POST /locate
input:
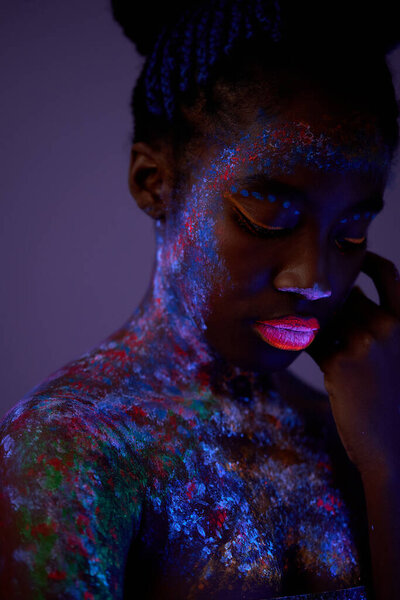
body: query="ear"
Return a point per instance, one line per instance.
(148, 179)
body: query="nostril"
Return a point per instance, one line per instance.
(314, 293)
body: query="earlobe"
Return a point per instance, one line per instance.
(146, 178)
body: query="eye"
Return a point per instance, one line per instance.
(352, 244)
(344, 244)
(255, 229)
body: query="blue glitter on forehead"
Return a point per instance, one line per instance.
(356, 217)
(295, 142)
(234, 189)
(257, 195)
(244, 193)
(271, 198)
(343, 221)
(286, 204)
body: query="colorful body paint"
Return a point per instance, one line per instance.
(128, 468)
(150, 467)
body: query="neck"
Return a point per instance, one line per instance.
(173, 352)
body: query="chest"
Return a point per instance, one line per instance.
(257, 517)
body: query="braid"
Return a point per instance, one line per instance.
(234, 25)
(217, 31)
(187, 51)
(194, 43)
(270, 23)
(202, 49)
(248, 26)
(202, 32)
(150, 76)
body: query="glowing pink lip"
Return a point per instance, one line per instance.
(293, 322)
(288, 333)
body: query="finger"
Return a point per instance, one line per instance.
(349, 323)
(386, 278)
(332, 339)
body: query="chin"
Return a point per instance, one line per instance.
(256, 356)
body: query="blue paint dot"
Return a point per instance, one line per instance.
(374, 215)
(343, 221)
(257, 195)
(244, 193)
(233, 189)
(356, 217)
(286, 204)
(367, 214)
(296, 212)
(271, 198)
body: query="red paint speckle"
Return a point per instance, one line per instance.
(216, 519)
(330, 506)
(324, 465)
(43, 529)
(190, 488)
(57, 575)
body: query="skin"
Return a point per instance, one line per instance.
(162, 463)
(363, 385)
(219, 278)
(230, 277)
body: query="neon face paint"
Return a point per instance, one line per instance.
(192, 268)
(154, 463)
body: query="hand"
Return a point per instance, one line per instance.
(362, 375)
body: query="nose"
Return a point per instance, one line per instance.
(313, 293)
(304, 271)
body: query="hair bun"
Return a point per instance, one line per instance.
(374, 26)
(142, 22)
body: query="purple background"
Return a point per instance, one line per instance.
(76, 251)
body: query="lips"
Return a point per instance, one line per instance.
(288, 333)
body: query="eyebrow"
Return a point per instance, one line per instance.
(374, 202)
(274, 185)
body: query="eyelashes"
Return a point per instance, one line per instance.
(265, 232)
(346, 245)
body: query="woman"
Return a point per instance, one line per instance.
(179, 459)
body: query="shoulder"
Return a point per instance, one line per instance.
(55, 444)
(99, 410)
(70, 501)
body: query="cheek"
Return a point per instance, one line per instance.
(249, 260)
(193, 255)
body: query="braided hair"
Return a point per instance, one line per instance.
(192, 46)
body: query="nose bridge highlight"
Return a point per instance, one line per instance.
(313, 293)
(304, 272)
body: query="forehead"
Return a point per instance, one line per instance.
(309, 137)
(286, 144)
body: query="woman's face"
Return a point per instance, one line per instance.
(273, 223)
